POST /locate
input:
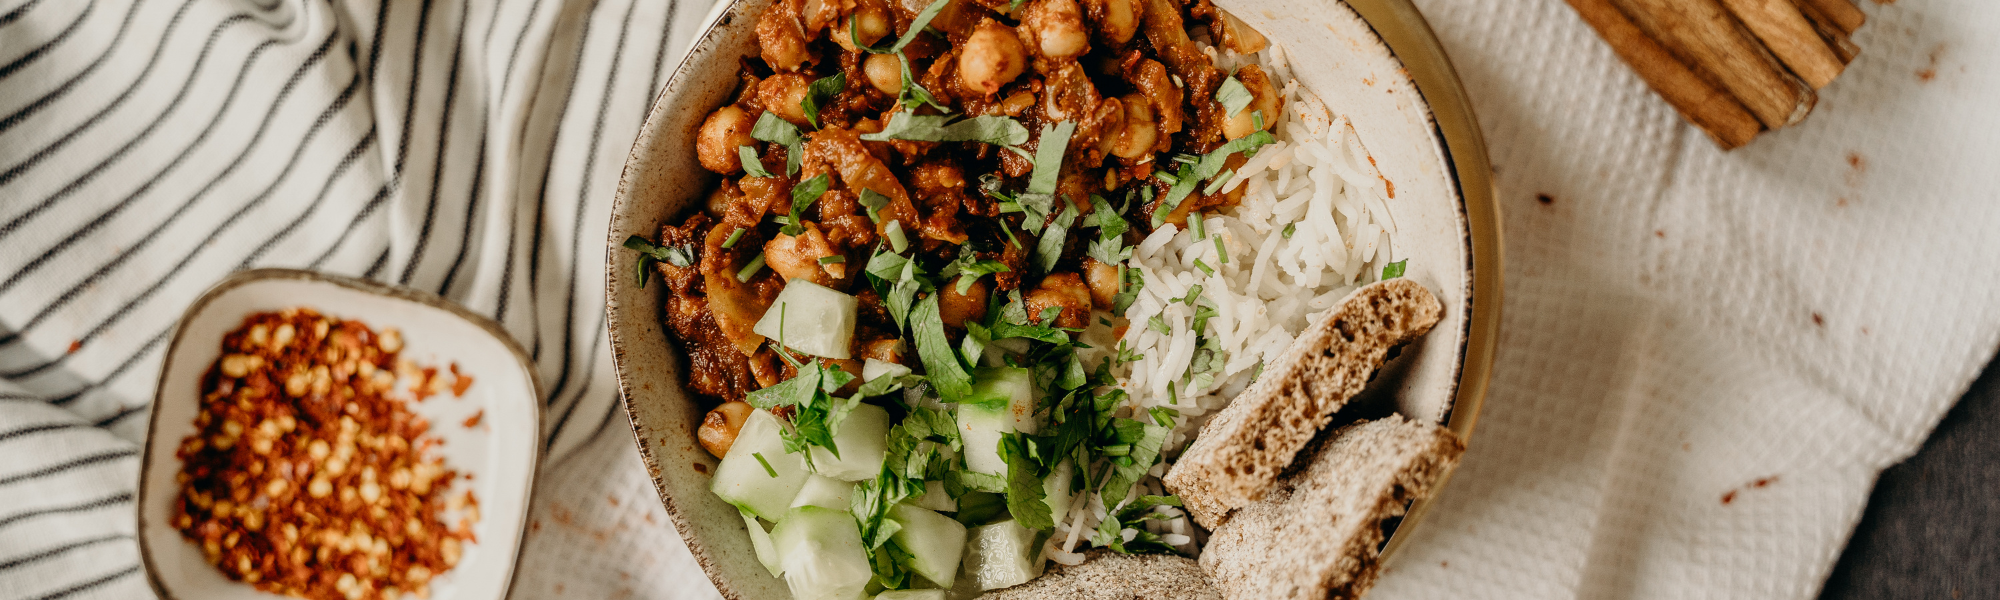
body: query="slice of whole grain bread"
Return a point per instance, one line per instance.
(1243, 449)
(1318, 533)
(1107, 575)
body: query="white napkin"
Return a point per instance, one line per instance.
(1707, 357)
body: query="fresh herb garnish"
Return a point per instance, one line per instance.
(894, 231)
(819, 93)
(750, 270)
(996, 130)
(751, 166)
(1205, 269)
(873, 201)
(767, 464)
(1290, 228)
(774, 129)
(832, 260)
(1395, 269)
(1128, 292)
(934, 349)
(1025, 496)
(1049, 250)
(679, 256)
(1233, 96)
(733, 236)
(1221, 252)
(803, 196)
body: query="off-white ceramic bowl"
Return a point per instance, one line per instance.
(1430, 151)
(498, 457)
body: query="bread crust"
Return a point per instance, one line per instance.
(1318, 533)
(1107, 575)
(1241, 452)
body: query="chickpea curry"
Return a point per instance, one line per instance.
(908, 187)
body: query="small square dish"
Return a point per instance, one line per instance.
(487, 433)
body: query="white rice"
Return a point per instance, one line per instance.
(1316, 177)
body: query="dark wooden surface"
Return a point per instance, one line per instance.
(1932, 528)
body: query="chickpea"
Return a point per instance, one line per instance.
(718, 429)
(1058, 28)
(1065, 291)
(780, 42)
(1141, 128)
(782, 94)
(992, 57)
(1103, 279)
(725, 129)
(869, 21)
(956, 308)
(884, 72)
(1263, 99)
(1117, 20)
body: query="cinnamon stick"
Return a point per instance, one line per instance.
(1835, 38)
(1842, 13)
(1787, 33)
(1713, 111)
(1704, 35)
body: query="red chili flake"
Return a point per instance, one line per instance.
(473, 421)
(1729, 497)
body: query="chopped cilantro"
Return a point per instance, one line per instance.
(733, 236)
(1216, 182)
(751, 166)
(1233, 96)
(1395, 269)
(1130, 284)
(1155, 323)
(1049, 250)
(1205, 269)
(803, 195)
(750, 270)
(648, 254)
(1198, 226)
(771, 128)
(832, 260)
(1025, 497)
(873, 201)
(996, 130)
(934, 349)
(767, 464)
(894, 231)
(1221, 253)
(819, 93)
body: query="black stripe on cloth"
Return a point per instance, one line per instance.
(514, 56)
(70, 84)
(174, 105)
(107, 501)
(443, 140)
(471, 216)
(36, 428)
(542, 192)
(583, 390)
(14, 15)
(39, 556)
(105, 270)
(659, 60)
(60, 468)
(30, 57)
(45, 152)
(582, 209)
(375, 268)
(88, 585)
(122, 414)
(353, 155)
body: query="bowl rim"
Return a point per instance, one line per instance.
(367, 286)
(1404, 31)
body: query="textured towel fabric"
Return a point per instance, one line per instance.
(1681, 324)
(150, 147)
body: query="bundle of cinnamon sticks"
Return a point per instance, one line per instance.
(1734, 68)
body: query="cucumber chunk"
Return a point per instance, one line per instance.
(816, 319)
(911, 595)
(871, 369)
(821, 552)
(1003, 554)
(863, 441)
(742, 480)
(760, 540)
(1055, 491)
(1002, 402)
(824, 492)
(934, 541)
(935, 498)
